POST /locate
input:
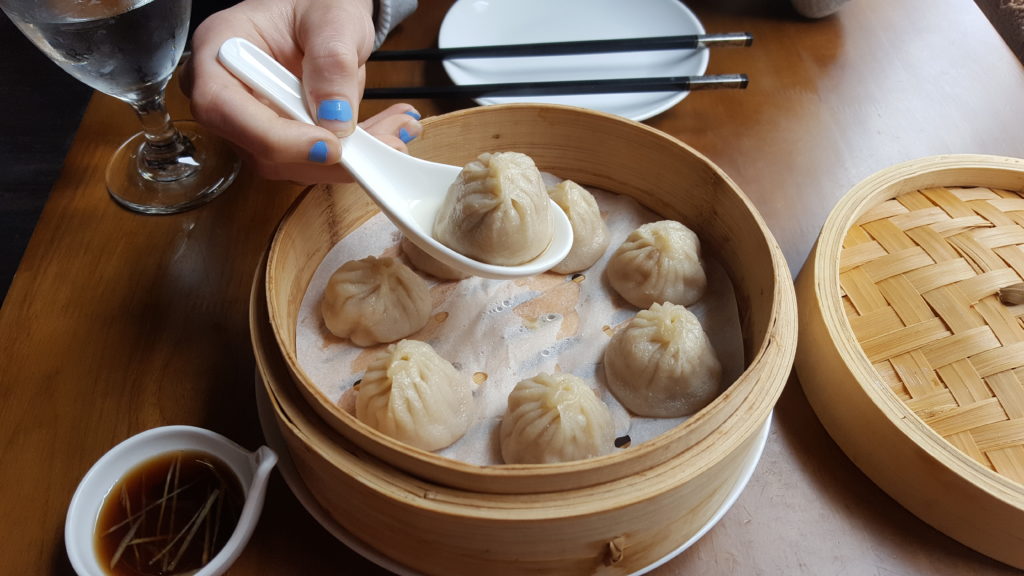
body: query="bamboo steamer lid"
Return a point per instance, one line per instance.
(907, 353)
(593, 149)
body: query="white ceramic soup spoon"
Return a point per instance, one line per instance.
(407, 189)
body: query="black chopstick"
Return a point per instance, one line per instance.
(562, 87)
(572, 47)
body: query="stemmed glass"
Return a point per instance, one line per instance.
(128, 49)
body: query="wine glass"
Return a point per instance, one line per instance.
(128, 49)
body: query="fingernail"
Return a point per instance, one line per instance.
(413, 113)
(318, 153)
(337, 110)
(404, 135)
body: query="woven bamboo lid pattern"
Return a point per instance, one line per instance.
(920, 277)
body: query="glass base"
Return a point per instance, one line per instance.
(209, 170)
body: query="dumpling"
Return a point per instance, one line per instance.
(662, 364)
(413, 395)
(375, 300)
(497, 211)
(658, 262)
(589, 230)
(555, 418)
(428, 264)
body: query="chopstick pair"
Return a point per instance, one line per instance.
(688, 41)
(564, 87)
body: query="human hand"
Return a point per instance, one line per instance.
(324, 43)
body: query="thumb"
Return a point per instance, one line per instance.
(336, 39)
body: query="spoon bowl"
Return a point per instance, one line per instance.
(408, 190)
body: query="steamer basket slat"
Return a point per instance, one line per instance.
(594, 149)
(907, 354)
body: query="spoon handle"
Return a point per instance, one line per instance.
(276, 84)
(369, 160)
(266, 76)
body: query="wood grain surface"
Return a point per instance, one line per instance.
(116, 323)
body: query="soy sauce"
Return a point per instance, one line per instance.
(169, 515)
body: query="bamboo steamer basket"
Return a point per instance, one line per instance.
(617, 528)
(907, 354)
(594, 149)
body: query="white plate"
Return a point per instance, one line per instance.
(291, 477)
(488, 22)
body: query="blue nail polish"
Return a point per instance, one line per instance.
(413, 113)
(318, 153)
(404, 135)
(339, 110)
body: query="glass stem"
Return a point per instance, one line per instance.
(167, 155)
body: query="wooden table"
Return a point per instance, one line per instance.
(116, 323)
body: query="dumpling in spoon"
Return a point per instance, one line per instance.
(497, 211)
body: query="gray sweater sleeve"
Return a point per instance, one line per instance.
(388, 14)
